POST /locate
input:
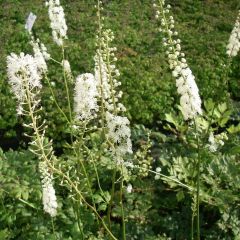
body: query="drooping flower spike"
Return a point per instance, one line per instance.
(185, 81)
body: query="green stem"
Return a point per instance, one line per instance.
(167, 177)
(112, 196)
(79, 219)
(27, 203)
(86, 175)
(55, 101)
(192, 227)
(100, 70)
(198, 184)
(52, 59)
(53, 229)
(122, 208)
(98, 180)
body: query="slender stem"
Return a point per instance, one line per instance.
(27, 203)
(198, 183)
(167, 177)
(53, 229)
(52, 59)
(85, 173)
(55, 101)
(100, 67)
(192, 227)
(122, 208)
(79, 219)
(112, 197)
(98, 180)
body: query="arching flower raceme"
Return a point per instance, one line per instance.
(48, 195)
(85, 97)
(119, 133)
(234, 39)
(190, 100)
(23, 71)
(58, 22)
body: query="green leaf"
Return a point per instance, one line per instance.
(98, 198)
(169, 118)
(222, 107)
(180, 196)
(102, 207)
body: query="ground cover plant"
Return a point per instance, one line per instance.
(84, 166)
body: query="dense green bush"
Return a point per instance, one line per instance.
(149, 89)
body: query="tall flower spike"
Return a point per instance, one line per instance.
(106, 74)
(58, 22)
(233, 46)
(85, 97)
(185, 81)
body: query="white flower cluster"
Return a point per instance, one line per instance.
(23, 72)
(119, 133)
(234, 40)
(58, 22)
(216, 141)
(40, 53)
(85, 97)
(48, 195)
(185, 81)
